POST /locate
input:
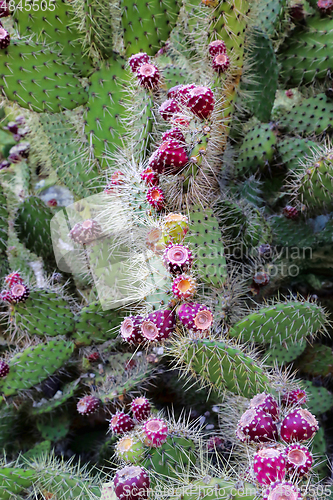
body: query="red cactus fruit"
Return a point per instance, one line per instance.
(181, 120)
(325, 6)
(18, 293)
(130, 364)
(282, 490)
(217, 47)
(196, 317)
(131, 483)
(155, 431)
(174, 134)
(121, 423)
(298, 459)
(130, 329)
(155, 240)
(201, 101)
(290, 212)
(261, 278)
(4, 368)
(256, 426)
(169, 157)
(86, 232)
(14, 279)
(136, 60)
(176, 227)
(140, 408)
(11, 126)
(269, 465)
(297, 397)
(150, 177)
(155, 197)
(168, 108)
(177, 259)
(181, 92)
(148, 76)
(5, 296)
(221, 63)
(158, 325)
(52, 203)
(267, 403)
(298, 425)
(4, 38)
(88, 405)
(4, 9)
(214, 442)
(94, 356)
(184, 287)
(117, 178)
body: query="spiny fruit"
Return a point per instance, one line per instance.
(177, 259)
(195, 317)
(175, 226)
(4, 368)
(201, 102)
(4, 9)
(18, 293)
(181, 92)
(261, 278)
(298, 459)
(282, 490)
(148, 76)
(4, 38)
(267, 403)
(86, 232)
(175, 134)
(130, 449)
(130, 329)
(325, 6)
(155, 197)
(158, 325)
(131, 483)
(140, 408)
(168, 108)
(184, 287)
(14, 279)
(150, 177)
(169, 158)
(290, 212)
(217, 47)
(94, 356)
(88, 405)
(221, 63)
(298, 425)
(256, 426)
(121, 423)
(155, 431)
(296, 397)
(269, 465)
(136, 60)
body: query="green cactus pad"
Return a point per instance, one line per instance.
(284, 353)
(320, 399)
(268, 14)
(222, 366)
(307, 53)
(37, 78)
(93, 325)
(312, 116)
(47, 406)
(292, 150)
(3, 221)
(317, 361)
(147, 24)
(205, 240)
(314, 184)
(319, 449)
(14, 481)
(256, 151)
(53, 427)
(211, 488)
(281, 321)
(291, 233)
(35, 364)
(40, 449)
(174, 76)
(57, 27)
(44, 313)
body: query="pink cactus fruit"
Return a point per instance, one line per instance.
(130, 330)
(214, 442)
(181, 93)
(299, 425)
(267, 403)
(4, 368)
(121, 423)
(18, 293)
(155, 431)
(150, 177)
(14, 279)
(221, 63)
(201, 102)
(4, 9)
(269, 465)
(296, 397)
(168, 109)
(155, 240)
(155, 197)
(131, 483)
(86, 232)
(117, 179)
(140, 408)
(325, 6)
(217, 47)
(195, 317)
(177, 259)
(261, 278)
(298, 458)
(4, 38)
(184, 287)
(256, 426)
(290, 212)
(173, 134)
(158, 325)
(88, 405)
(282, 490)
(136, 60)
(169, 157)
(148, 76)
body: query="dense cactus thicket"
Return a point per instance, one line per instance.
(166, 243)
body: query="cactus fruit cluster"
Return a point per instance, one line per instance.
(166, 271)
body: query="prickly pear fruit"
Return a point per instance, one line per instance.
(269, 465)
(299, 425)
(155, 431)
(88, 405)
(256, 426)
(140, 408)
(131, 483)
(121, 423)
